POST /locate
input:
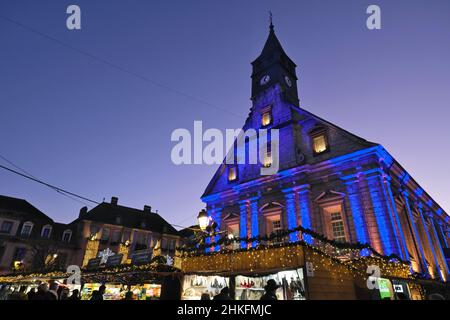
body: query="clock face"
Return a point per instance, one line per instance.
(288, 81)
(264, 80)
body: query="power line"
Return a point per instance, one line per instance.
(29, 174)
(60, 190)
(117, 67)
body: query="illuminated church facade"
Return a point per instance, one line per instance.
(329, 180)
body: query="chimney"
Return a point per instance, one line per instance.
(83, 211)
(114, 200)
(147, 209)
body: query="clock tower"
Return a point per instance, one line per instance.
(274, 67)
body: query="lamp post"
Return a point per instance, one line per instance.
(203, 220)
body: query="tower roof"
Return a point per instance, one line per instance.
(271, 47)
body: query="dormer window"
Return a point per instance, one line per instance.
(319, 141)
(67, 235)
(26, 229)
(232, 174)
(46, 231)
(266, 116)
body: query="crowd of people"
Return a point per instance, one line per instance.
(43, 291)
(270, 288)
(54, 291)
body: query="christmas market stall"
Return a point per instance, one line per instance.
(149, 281)
(313, 267)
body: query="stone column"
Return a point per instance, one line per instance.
(443, 234)
(291, 214)
(415, 233)
(381, 212)
(209, 239)
(305, 210)
(400, 235)
(395, 219)
(243, 217)
(440, 251)
(254, 221)
(357, 208)
(217, 216)
(430, 242)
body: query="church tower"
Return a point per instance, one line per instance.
(273, 67)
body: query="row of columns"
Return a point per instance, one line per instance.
(389, 228)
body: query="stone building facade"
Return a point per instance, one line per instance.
(329, 180)
(31, 241)
(29, 238)
(122, 230)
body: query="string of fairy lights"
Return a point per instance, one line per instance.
(342, 260)
(277, 238)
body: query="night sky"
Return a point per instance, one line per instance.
(93, 110)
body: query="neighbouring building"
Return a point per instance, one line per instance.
(330, 180)
(29, 239)
(122, 230)
(32, 241)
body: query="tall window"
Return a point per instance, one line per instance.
(126, 236)
(67, 235)
(232, 173)
(267, 161)
(319, 141)
(172, 243)
(19, 255)
(6, 227)
(266, 118)
(105, 234)
(116, 235)
(26, 229)
(164, 243)
(337, 227)
(46, 231)
(273, 223)
(232, 229)
(276, 225)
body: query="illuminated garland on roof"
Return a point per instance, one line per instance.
(225, 241)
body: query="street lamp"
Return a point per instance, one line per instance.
(203, 220)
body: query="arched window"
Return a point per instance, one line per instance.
(26, 229)
(46, 231)
(67, 235)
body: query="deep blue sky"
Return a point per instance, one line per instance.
(86, 126)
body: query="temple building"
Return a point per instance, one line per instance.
(329, 181)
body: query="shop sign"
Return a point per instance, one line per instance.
(383, 286)
(142, 256)
(309, 269)
(400, 287)
(114, 260)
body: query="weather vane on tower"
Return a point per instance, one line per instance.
(270, 19)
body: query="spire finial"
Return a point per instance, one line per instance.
(271, 20)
